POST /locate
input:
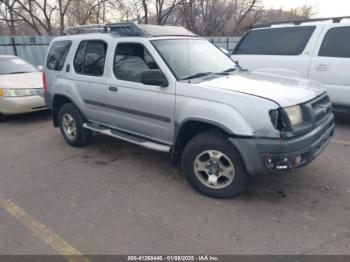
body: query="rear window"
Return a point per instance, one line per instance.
(57, 55)
(275, 41)
(336, 43)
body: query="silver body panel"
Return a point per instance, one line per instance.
(240, 103)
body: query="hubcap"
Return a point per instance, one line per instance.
(69, 126)
(214, 169)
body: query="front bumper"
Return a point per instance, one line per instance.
(19, 105)
(264, 155)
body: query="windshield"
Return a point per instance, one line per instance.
(14, 65)
(189, 58)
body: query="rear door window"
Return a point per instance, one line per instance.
(90, 58)
(57, 55)
(336, 43)
(275, 41)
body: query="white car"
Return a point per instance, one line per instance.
(21, 87)
(318, 49)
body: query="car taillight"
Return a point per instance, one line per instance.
(44, 82)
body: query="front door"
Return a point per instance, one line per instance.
(144, 110)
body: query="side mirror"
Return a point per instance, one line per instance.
(154, 77)
(40, 68)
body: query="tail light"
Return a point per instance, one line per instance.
(44, 82)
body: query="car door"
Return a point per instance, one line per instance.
(132, 106)
(55, 62)
(331, 62)
(88, 74)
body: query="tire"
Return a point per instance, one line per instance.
(225, 177)
(74, 133)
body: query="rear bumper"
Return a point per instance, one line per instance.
(263, 155)
(19, 105)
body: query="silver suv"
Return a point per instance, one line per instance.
(166, 89)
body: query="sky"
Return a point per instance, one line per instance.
(324, 8)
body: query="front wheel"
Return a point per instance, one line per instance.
(213, 166)
(71, 126)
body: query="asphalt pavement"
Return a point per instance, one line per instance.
(113, 197)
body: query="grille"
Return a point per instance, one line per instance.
(321, 108)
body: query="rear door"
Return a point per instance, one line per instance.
(88, 73)
(273, 49)
(331, 63)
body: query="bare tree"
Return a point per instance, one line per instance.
(164, 9)
(7, 15)
(38, 14)
(242, 8)
(204, 17)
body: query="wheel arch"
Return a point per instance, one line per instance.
(57, 102)
(190, 128)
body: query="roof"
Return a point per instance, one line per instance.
(166, 30)
(301, 22)
(130, 29)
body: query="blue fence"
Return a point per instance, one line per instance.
(30, 48)
(33, 48)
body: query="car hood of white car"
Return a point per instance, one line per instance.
(285, 91)
(21, 81)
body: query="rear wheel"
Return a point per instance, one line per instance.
(71, 126)
(213, 166)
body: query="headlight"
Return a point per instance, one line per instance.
(295, 115)
(17, 92)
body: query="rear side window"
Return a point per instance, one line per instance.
(57, 55)
(275, 41)
(336, 43)
(90, 58)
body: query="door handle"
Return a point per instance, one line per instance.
(113, 89)
(321, 67)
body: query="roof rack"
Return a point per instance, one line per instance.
(129, 29)
(300, 21)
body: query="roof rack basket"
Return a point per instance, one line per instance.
(130, 29)
(120, 29)
(300, 21)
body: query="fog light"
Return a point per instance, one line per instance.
(298, 160)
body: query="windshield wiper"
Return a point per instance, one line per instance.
(196, 75)
(226, 71)
(230, 70)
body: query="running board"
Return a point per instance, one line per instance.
(129, 138)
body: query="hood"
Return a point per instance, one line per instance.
(285, 91)
(21, 81)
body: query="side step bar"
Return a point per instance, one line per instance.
(129, 138)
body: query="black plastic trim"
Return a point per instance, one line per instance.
(129, 111)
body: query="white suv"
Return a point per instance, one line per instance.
(318, 49)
